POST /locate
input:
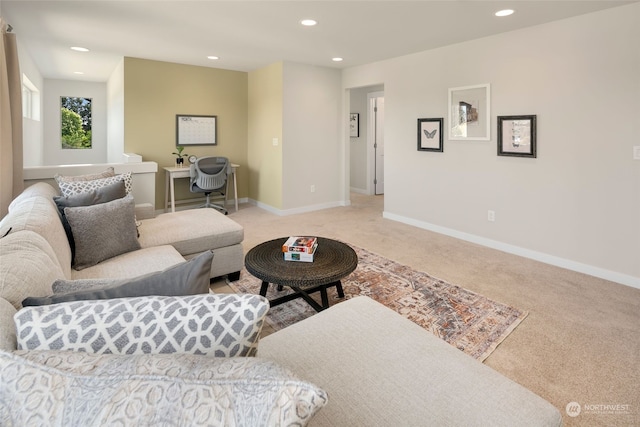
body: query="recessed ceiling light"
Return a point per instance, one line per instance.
(336, 59)
(505, 12)
(80, 49)
(309, 22)
(212, 57)
(78, 72)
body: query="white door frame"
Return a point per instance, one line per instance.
(371, 153)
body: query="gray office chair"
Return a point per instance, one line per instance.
(209, 176)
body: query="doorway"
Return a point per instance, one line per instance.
(375, 143)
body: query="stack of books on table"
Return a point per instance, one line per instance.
(298, 248)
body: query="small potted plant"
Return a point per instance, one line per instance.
(179, 156)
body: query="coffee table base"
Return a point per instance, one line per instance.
(305, 294)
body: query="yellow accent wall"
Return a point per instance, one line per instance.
(265, 90)
(154, 92)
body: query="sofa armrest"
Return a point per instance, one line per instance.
(145, 211)
(7, 327)
(222, 325)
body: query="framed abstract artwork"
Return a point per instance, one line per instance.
(517, 136)
(469, 115)
(354, 125)
(430, 134)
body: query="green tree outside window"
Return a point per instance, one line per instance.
(75, 122)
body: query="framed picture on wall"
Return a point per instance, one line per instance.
(354, 125)
(469, 115)
(196, 130)
(430, 134)
(517, 136)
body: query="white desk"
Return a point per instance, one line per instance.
(174, 172)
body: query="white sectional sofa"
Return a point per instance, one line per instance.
(357, 363)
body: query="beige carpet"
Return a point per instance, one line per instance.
(470, 322)
(579, 343)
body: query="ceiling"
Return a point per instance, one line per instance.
(248, 35)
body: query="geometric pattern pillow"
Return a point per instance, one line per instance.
(69, 188)
(80, 389)
(220, 325)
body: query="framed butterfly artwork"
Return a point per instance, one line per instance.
(430, 135)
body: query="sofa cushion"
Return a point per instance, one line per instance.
(94, 197)
(69, 188)
(189, 278)
(40, 215)
(102, 231)
(392, 372)
(221, 325)
(132, 264)
(191, 231)
(90, 390)
(28, 267)
(108, 172)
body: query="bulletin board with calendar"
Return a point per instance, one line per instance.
(196, 130)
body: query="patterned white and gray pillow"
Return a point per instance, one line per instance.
(220, 325)
(82, 389)
(69, 188)
(102, 231)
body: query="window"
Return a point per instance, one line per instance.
(75, 122)
(30, 99)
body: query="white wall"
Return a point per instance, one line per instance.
(53, 152)
(32, 129)
(578, 203)
(115, 114)
(312, 138)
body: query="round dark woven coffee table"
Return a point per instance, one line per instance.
(332, 261)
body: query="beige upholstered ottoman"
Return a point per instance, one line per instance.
(381, 369)
(194, 231)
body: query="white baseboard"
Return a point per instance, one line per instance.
(303, 209)
(591, 270)
(359, 191)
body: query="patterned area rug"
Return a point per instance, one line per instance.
(464, 319)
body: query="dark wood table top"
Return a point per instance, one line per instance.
(332, 261)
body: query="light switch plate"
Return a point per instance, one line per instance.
(636, 152)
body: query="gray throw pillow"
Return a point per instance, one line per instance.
(102, 231)
(64, 286)
(188, 278)
(95, 197)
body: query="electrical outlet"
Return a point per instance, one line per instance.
(491, 216)
(313, 188)
(636, 152)
(274, 141)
